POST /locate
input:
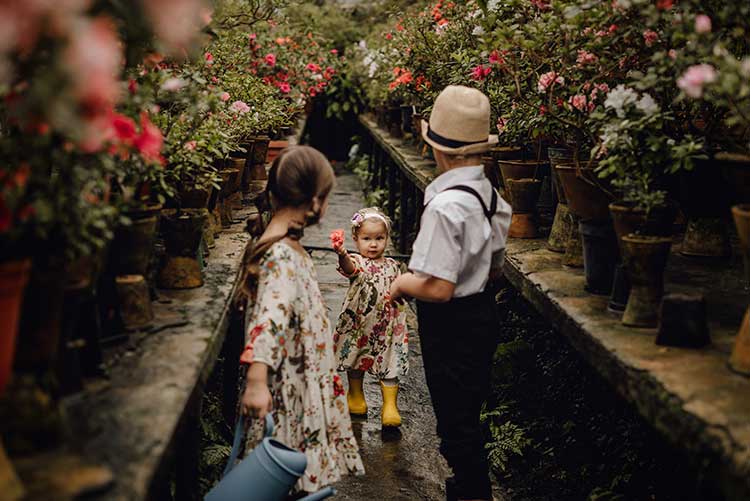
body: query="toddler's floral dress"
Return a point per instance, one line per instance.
(288, 330)
(372, 334)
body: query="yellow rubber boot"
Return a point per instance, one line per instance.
(356, 397)
(390, 416)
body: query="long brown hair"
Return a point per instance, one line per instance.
(300, 175)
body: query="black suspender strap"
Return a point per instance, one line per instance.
(493, 204)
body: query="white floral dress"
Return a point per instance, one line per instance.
(372, 334)
(288, 330)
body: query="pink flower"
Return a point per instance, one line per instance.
(650, 36)
(285, 87)
(580, 103)
(496, 58)
(252, 37)
(93, 59)
(270, 59)
(239, 107)
(177, 23)
(190, 145)
(695, 77)
(548, 80)
(224, 96)
(541, 4)
(334, 51)
(501, 124)
(585, 57)
(150, 140)
(388, 36)
(313, 67)
(702, 24)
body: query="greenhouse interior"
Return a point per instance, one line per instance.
(268, 250)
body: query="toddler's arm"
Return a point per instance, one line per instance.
(345, 262)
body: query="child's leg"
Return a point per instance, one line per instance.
(356, 395)
(389, 415)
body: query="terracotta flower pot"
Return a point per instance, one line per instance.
(183, 232)
(194, 198)
(14, 275)
(740, 359)
(559, 156)
(133, 245)
(560, 231)
(523, 195)
(600, 256)
(628, 219)
(274, 148)
(645, 260)
(260, 150)
(520, 169)
(586, 197)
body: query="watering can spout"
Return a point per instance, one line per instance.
(321, 494)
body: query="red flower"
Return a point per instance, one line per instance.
(338, 386)
(132, 86)
(21, 176)
(285, 88)
(150, 140)
(664, 4)
(124, 128)
(366, 364)
(362, 342)
(270, 59)
(209, 58)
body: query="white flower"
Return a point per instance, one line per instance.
(618, 98)
(478, 31)
(372, 69)
(173, 84)
(647, 105)
(493, 4)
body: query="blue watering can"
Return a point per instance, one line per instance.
(266, 474)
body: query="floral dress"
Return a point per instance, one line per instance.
(288, 330)
(372, 334)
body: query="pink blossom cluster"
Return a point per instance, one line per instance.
(239, 107)
(695, 78)
(585, 57)
(548, 80)
(702, 24)
(650, 37)
(541, 4)
(581, 103)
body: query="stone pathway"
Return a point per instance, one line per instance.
(405, 466)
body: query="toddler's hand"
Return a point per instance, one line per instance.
(256, 400)
(337, 241)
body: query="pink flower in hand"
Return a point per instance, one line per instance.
(239, 107)
(695, 77)
(702, 24)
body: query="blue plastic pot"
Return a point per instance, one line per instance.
(267, 474)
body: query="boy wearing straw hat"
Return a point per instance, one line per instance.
(461, 240)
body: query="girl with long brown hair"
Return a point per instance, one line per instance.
(289, 353)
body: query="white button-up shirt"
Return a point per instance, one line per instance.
(456, 241)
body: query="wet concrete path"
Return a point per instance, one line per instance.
(405, 466)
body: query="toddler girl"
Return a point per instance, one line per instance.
(289, 352)
(371, 335)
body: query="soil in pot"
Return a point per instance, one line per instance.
(585, 196)
(523, 195)
(183, 233)
(740, 359)
(600, 256)
(14, 275)
(645, 260)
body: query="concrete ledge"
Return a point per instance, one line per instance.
(688, 395)
(130, 422)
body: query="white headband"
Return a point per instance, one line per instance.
(360, 218)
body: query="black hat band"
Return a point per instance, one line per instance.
(450, 143)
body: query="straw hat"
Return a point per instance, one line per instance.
(460, 122)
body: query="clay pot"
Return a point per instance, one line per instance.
(736, 172)
(274, 148)
(560, 231)
(14, 275)
(586, 198)
(520, 169)
(133, 245)
(183, 232)
(559, 156)
(573, 257)
(628, 219)
(491, 170)
(194, 198)
(740, 358)
(394, 122)
(523, 195)
(260, 149)
(645, 260)
(706, 237)
(600, 256)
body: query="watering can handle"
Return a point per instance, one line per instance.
(238, 436)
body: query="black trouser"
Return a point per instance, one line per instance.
(458, 342)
